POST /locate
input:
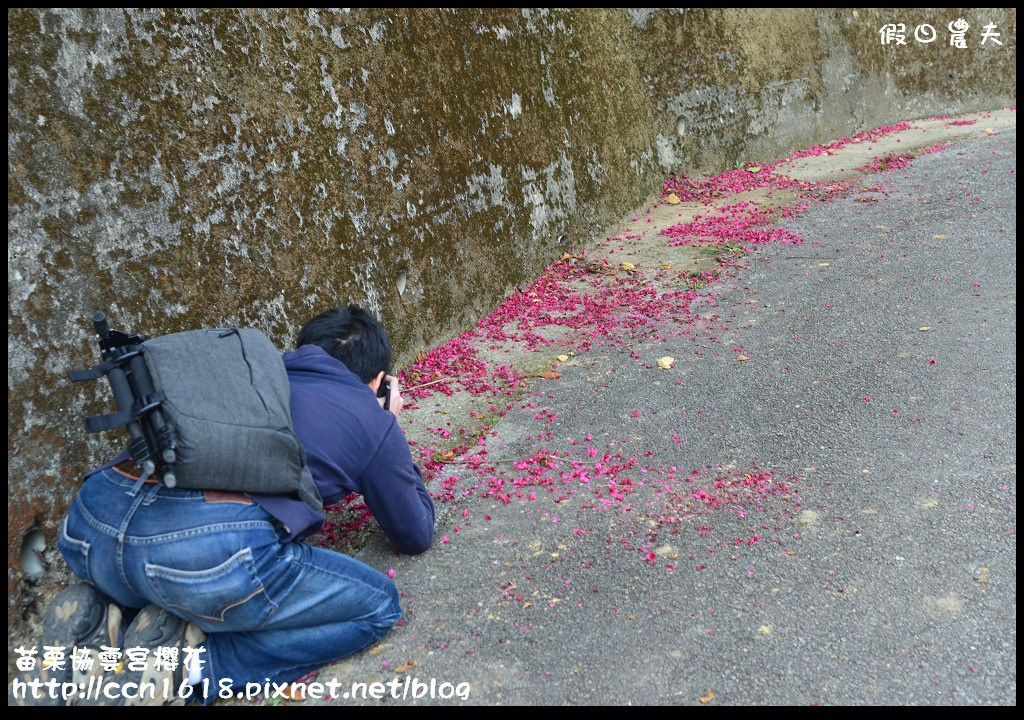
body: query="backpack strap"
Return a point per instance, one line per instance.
(101, 423)
(110, 421)
(93, 373)
(121, 355)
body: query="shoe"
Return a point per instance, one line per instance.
(79, 617)
(155, 628)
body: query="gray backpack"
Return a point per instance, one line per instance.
(205, 410)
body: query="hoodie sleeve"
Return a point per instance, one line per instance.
(393, 489)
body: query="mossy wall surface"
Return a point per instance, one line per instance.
(186, 168)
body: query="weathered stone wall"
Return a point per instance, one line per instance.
(186, 168)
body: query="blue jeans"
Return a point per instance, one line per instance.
(271, 609)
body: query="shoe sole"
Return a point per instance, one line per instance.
(154, 627)
(80, 616)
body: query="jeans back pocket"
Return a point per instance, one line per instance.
(228, 597)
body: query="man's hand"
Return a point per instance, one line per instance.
(397, 402)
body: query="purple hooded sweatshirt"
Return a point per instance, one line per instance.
(352, 446)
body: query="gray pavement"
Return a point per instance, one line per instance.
(860, 547)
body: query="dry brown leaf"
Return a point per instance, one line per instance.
(406, 666)
(600, 268)
(448, 455)
(665, 363)
(627, 266)
(709, 697)
(926, 328)
(295, 692)
(551, 375)
(672, 199)
(742, 358)
(563, 358)
(568, 256)
(666, 266)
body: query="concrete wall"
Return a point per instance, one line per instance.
(186, 168)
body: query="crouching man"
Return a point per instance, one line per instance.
(228, 573)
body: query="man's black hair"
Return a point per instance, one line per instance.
(353, 336)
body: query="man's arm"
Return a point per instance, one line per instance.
(394, 491)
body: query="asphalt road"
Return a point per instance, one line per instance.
(860, 547)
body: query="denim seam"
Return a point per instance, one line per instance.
(243, 557)
(122, 532)
(378, 634)
(203, 530)
(81, 546)
(222, 610)
(245, 560)
(94, 523)
(74, 542)
(114, 477)
(113, 532)
(307, 566)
